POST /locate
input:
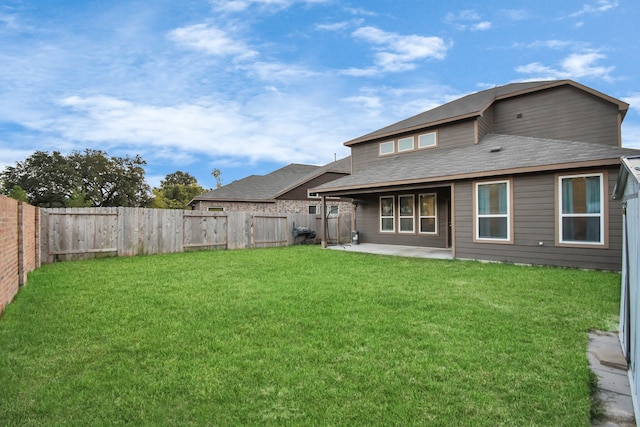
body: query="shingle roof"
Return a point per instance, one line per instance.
(630, 167)
(268, 187)
(492, 156)
(473, 105)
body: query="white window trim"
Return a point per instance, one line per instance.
(393, 217)
(477, 216)
(413, 216)
(387, 143)
(435, 140)
(413, 144)
(601, 215)
(435, 216)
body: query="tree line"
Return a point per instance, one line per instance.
(92, 178)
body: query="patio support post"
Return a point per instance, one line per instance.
(323, 211)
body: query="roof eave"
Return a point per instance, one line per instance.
(471, 175)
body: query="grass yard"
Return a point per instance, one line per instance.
(300, 336)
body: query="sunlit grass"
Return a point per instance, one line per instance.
(300, 336)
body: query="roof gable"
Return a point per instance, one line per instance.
(474, 105)
(268, 187)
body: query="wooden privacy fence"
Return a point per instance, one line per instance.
(81, 233)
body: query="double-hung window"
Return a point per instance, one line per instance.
(428, 213)
(405, 214)
(493, 211)
(387, 214)
(581, 206)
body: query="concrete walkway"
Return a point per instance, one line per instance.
(608, 363)
(398, 250)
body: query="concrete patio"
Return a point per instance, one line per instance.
(397, 250)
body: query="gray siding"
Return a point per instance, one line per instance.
(562, 113)
(534, 222)
(362, 155)
(368, 221)
(300, 192)
(485, 123)
(454, 135)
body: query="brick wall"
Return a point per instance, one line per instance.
(279, 206)
(19, 246)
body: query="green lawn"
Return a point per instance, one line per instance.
(300, 336)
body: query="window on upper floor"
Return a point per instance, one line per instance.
(215, 209)
(405, 144)
(408, 143)
(581, 209)
(427, 140)
(387, 147)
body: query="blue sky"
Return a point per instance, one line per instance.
(248, 86)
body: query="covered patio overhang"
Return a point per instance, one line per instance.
(360, 192)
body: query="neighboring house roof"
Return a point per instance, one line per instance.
(630, 167)
(494, 155)
(266, 188)
(474, 105)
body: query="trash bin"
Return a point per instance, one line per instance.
(355, 237)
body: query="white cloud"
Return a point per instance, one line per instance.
(241, 5)
(467, 19)
(481, 26)
(278, 72)
(336, 26)
(634, 101)
(211, 40)
(515, 14)
(396, 52)
(595, 8)
(368, 102)
(551, 44)
(12, 153)
(261, 129)
(630, 135)
(360, 11)
(574, 66)
(9, 22)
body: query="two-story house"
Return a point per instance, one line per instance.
(519, 173)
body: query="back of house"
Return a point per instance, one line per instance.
(518, 173)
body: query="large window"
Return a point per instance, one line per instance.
(581, 209)
(493, 211)
(405, 214)
(387, 214)
(427, 205)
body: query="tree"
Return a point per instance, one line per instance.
(217, 175)
(176, 191)
(111, 181)
(89, 178)
(18, 193)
